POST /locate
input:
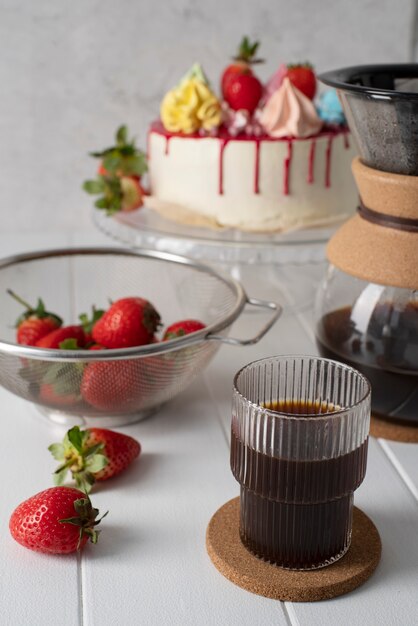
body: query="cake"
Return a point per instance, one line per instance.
(274, 167)
(251, 183)
(260, 158)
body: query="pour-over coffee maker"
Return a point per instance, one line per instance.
(367, 306)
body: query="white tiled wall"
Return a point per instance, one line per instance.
(71, 71)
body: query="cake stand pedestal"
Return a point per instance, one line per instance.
(265, 261)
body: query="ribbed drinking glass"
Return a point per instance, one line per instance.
(299, 441)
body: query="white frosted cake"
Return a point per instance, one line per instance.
(259, 157)
(258, 183)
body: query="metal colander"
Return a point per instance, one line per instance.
(111, 387)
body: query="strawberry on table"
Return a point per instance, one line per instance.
(181, 328)
(35, 322)
(242, 62)
(58, 520)
(93, 454)
(60, 336)
(112, 386)
(128, 322)
(302, 76)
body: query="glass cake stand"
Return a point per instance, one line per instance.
(237, 252)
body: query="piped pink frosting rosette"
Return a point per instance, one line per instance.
(289, 113)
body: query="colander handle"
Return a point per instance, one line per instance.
(261, 304)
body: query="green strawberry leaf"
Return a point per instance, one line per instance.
(122, 159)
(77, 438)
(81, 459)
(59, 477)
(69, 344)
(122, 135)
(92, 450)
(64, 377)
(39, 311)
(137, 165)
(85, 519)
(112, 162)
(57, 450)
(88, 322)
(102, 203)
(94, 186)
(115, 206)
(97, 463)
(84, 481)
(40, 308)
(247, 51)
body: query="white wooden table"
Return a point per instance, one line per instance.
(151, 566)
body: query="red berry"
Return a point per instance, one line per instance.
(132, 193)
(303, 78)
(112, 385)
(33, 329)
(128, 322)
(243, 91)
(181, 328)
(58, 520)
(102, 171)
(119, 449)
(58, 336)
(239, 67)
(49, 395)
(95, 453)
(243, 60)
(35, 322)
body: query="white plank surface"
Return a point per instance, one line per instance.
(153, 553)
(35, 588)
(151, 566)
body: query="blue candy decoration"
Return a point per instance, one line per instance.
(329, 108)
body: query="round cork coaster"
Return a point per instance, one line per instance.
(236, 563)
(382, 428)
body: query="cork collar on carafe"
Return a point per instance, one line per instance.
(380, 243)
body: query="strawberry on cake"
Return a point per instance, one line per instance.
(259, 159)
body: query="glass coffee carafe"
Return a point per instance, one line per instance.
(367, 306)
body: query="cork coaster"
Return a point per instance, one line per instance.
(382, 428)
(236, 563)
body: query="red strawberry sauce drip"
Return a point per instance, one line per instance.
(346, 141)
(328, 163)
(287, 164)
(257, 167)
(224, 138)
(148, 145)
(311, 164)
(222, 146)
(167, 144)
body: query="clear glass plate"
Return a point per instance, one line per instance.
(146, 228)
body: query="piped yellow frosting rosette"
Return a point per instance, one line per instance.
(191, 105)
